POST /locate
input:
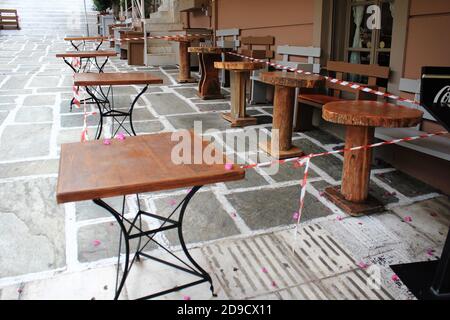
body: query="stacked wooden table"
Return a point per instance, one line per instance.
(209, 85)
(92, 171)
(283, 109)
(239, 74)
(361, 118)
(184, 57)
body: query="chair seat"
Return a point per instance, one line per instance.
(318, 98)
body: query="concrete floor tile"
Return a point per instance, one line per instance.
(32, 114)
(405, 184)
(25, 141)
(168, 103)
(32, 234)
(268, 208)
(204, 219)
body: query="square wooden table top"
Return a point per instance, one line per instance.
(80, 38)
(115, 78)
(86, 54)
(92, 170)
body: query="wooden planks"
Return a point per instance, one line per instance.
(95, 38)
(9, 19)
(116, 78)
(139, 164)
(238, 65)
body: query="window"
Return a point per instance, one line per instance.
(366, 44)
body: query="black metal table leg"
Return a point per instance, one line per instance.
(134, 230)
(106, 109)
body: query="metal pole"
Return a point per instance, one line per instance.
(86, 17)
(144, 30)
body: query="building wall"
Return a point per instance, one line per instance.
(289, 21)
(427, 40)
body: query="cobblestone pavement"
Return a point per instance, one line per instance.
(242, 232)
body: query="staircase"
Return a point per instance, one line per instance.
(163, 22)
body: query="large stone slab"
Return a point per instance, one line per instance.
(101, 241)
(32, 230)
(28, 168)
(329, 164)
(168, 103)
(405, 184)
(208, 121)
(15, 82)
(3, 116)
(39, 100)
(25, 141)
(204, 219)
(268, 208)
(44, 82)
(32, 114)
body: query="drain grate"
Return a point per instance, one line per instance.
(266, 265)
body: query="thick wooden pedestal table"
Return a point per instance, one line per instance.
(239, 74)
(209, 85)
(92, 171)
(361, 118)
(283, 109)
(185, 61)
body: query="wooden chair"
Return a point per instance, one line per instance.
(9, 19)
(308, 100)
(222, 41)
(260, 92)
(258, 89)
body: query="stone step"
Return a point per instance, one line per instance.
(161, 59)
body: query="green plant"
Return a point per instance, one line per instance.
(102, 5)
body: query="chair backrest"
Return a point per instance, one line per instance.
(250, 51)
(372, 72)
(311, 54)
(223, 42)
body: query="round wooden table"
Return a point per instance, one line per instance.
(360, 119)
(283, 109)
(209, 85)
(239, 74)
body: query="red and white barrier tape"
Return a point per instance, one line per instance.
(77, 102)
(168, 37)
(352, 85)
(305, 161)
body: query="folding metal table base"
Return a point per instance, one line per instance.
(134, 230)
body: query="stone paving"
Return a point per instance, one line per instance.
(242, 232)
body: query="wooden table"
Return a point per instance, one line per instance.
(360, 119)
(92, 171)
(185, 60)
(84, 40)
(283, 108)
(209, 85)
(239, 74)
(91, 59)
(94, 82)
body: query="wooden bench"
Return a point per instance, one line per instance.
(336, 92)
(223, 41)
(260, 92)
(9, 19)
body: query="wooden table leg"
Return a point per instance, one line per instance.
(238, 116)
(353, 196)
(283, 112)
(185, 64)
(209, 86)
